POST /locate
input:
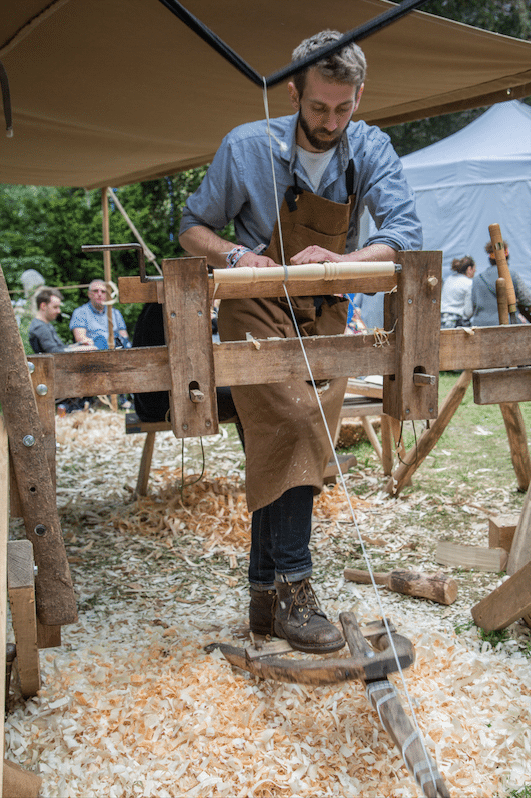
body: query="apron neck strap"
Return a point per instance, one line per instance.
(292, 192)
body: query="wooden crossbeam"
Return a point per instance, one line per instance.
(240, 362)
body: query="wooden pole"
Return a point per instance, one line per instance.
(56, 604)
(512, 416)
(428, 439)
(4, 534)
(106, 237)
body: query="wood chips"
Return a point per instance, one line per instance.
(133, 705)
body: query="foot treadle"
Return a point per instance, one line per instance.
(375, 661)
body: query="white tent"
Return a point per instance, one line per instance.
(479, 176)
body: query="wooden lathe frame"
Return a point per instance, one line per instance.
(410, 355)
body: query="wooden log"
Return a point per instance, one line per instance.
(517, 437)
(509, 602)
(56, 603)
(428, 439)
(21, 589)
(477, 558)
(520, 552)
(436, 587)
(501, 532)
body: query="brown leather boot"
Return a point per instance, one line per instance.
(300, 620)
(262, 611)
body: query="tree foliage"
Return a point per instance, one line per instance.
(510, 17)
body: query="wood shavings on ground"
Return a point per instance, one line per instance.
(132, 704)
(213, 509)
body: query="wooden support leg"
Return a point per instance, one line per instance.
(371, 435)
(520, 551)
(145, 464)
(509, 602)
(517, 436)
(21, 588)
(387, 445)
(4, 534)
(429, 437)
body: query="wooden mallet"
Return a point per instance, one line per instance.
(436, 587)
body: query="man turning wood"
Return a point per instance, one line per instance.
(326, 169)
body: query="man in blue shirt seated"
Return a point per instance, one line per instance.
(43, 336)
(324, 168)
(89, 323)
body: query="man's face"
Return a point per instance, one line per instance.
(98, 295)
(325, 109)
(52, 308)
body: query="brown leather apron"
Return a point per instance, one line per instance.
(286, 444)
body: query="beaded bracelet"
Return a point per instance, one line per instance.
(235, 254)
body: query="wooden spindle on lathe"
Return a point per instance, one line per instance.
(308, 271)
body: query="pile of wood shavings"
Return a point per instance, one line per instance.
(132, 705)
(214, 510)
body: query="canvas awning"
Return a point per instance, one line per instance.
(118, 91)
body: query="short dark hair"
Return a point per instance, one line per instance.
(346, 66)
(45, 294)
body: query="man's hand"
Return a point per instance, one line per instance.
(315, 254)
(256, 261)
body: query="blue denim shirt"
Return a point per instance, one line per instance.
(239, 185)
(94, 321)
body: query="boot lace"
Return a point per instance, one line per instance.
(304, 599)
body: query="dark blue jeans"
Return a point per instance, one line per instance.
(280, 538)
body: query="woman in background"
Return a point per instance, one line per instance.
(456, 301)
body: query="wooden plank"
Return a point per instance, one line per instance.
(145, 369)
(520, 553)
(501, 532)
(509, 602)
(20, 581)
(4, 535)
(493, 386)
(477, 558)
(416, 310)
(188, 336)
(485, 347)
(131, 289)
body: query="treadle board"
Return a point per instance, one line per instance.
(268, 647)
(375, 664)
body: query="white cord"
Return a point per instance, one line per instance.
(336, 460)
